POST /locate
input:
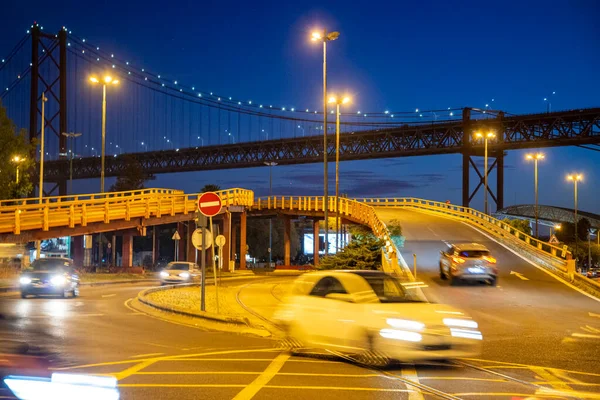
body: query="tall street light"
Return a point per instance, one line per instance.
(107, 80)
(489, 135)
(38, 244)
(325, 37)
(575, 178)
(338, 102)
(536, 157)
(270, 165)
(71, 136)
(18, 160)
(548, 101)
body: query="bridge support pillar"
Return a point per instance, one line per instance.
(127, 250)
(77, 250)
(227, 247)
(466, 156)
(234, 241)
(181, 242)
(316, 232)
(500, 180)
(243, 240)
(287, 229)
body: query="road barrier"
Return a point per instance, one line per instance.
(21, 215)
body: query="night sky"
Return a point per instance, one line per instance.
(391, 55)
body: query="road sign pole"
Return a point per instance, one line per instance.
(203, 264)
(214, 266)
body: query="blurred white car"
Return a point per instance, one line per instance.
(373, 317)
(179, 272)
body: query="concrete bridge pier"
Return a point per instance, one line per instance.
(287, 230)
(316, 232)
(77, 250)
(127, 250)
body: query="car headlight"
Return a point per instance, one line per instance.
(24, 280)
(184, 275)
(405, 324)
(164, 274)
(401, 335)
(58, 280)
(466, 334)
(461, 323)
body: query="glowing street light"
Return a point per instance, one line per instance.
(489, 135)
(107, 80)
(575, 178)
(17, 160)
(337, 101)
(325, 37)
(535, 157)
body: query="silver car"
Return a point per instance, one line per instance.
(468, 261)
(179, 272)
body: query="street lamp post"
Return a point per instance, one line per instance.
(575, 178)
(71, 136)
(107, 80)
(270, 165)
(325, 37)
(548, 101)
(18, 160)
(485, 138)
(338, 102)
(536, 158)
(42, 152)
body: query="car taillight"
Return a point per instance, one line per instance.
(491, 260)
(458, 260)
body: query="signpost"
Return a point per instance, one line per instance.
(176, 238)
(209, 205)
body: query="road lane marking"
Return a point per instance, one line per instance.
(534, 264)
(256, 385)
(109, 295)
(136, 368)
(73, 315)
(460, 378)
(211, 385)
(519, 275)
(594, 315)
(550, 378)
(258, 373)
(590, 329)
(410, 374)
(585, 335)
(523, 395)
(147, 355)
(517, 365)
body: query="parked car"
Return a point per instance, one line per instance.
(50, 276)
(468, 261)
(593, 273)
(179, 272)
(373, 317)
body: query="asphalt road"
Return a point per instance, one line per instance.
(539, 336)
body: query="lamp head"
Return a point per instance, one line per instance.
(346, 100)
(316, 36)
(93, 79)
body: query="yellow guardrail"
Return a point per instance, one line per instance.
(352, 209)
(488, 223)
(80, 210)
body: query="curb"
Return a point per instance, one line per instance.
(174, 309)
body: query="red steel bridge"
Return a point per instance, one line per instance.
(170, 126)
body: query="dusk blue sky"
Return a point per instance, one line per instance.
(391, 55)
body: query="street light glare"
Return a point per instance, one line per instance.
(93, 79)
(491, 135)
(108, 79)
(116, 81)
(573, 177)
(316, 36)
(346, 100)
(332, 99)
(478, 135)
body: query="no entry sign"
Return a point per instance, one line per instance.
(209, 204)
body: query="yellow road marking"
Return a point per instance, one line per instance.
(254, 387)
(524, 366)
(132, 370)
(147, 355)
(550, 378)
(109, 295)
(210, 385)
(258, 373)
(525, 395)
(569, 393)
(410, 374)
(459, 378)
(562, 375)
(585, 335)
(572, 383)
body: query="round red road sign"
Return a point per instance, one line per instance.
(209, 204)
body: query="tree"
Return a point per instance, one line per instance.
(210, 188)
(394, 228)
(14, 143)
(257, 237)
(519, 224)
(133, 178)
(363, 252)
(567, 231)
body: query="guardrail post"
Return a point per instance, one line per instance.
(46, 216)
(172, 206)
(106, 216)
(259, 206)
(17, 229)
(84, 214)
(71, 216)
(185, 203)
(147, 215)
(269, 202)
(128, 210)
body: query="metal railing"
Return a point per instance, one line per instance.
(354, 210)
(80, 210)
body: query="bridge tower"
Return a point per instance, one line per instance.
(53, 83)
(495, 152)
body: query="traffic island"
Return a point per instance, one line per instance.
(181, 304)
